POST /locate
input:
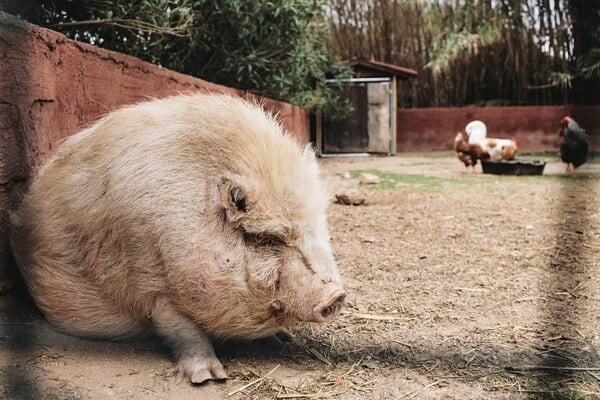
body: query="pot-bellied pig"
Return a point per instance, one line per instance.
(194, 216)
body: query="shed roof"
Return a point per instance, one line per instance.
(364, 67)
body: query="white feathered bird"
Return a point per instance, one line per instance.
(504, 149)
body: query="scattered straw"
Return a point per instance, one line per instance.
(308, 395)
(470, 360)
(581, 334)
(377, 317)
(254, 382)
(415, 392)
(437, 363)
(464, 289)
(591, 246)
(320, 356)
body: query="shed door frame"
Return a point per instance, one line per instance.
(321, 139)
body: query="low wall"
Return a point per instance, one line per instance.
(51, 86)
(536, 128)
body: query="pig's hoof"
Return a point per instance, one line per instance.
(200, 371)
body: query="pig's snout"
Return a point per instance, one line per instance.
(328, 308)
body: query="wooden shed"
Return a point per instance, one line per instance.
(371, 128)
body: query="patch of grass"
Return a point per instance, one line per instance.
(581, 176)
(394, 181)
(539, 155)
(488, 182)
(593, 158)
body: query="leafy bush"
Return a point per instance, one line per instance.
(273, 48)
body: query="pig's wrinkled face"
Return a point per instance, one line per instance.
(299, 267)
(285, 242)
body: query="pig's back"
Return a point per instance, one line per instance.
(123, 200)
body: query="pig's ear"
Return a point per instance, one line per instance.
(235, 193)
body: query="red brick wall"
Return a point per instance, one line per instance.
(50, 87)
(536, 128)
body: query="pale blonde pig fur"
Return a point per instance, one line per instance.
(194, 216)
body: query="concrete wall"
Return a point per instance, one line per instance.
(536, 128)
(51, 86)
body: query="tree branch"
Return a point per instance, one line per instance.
(131, 24)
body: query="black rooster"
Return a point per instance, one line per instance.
(575, 145)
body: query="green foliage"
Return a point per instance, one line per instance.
(272, 48)
(483, 52)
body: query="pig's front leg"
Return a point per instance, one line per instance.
(196, 358)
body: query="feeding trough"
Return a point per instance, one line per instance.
(513, 167)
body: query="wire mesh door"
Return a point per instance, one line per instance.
(368, 129)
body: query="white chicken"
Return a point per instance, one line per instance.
(503, 149)
(476, 132)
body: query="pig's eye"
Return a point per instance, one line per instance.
(263, 240)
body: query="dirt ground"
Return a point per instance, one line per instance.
(461, 285)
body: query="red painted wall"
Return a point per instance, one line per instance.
(536, 128)
(50, 87)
